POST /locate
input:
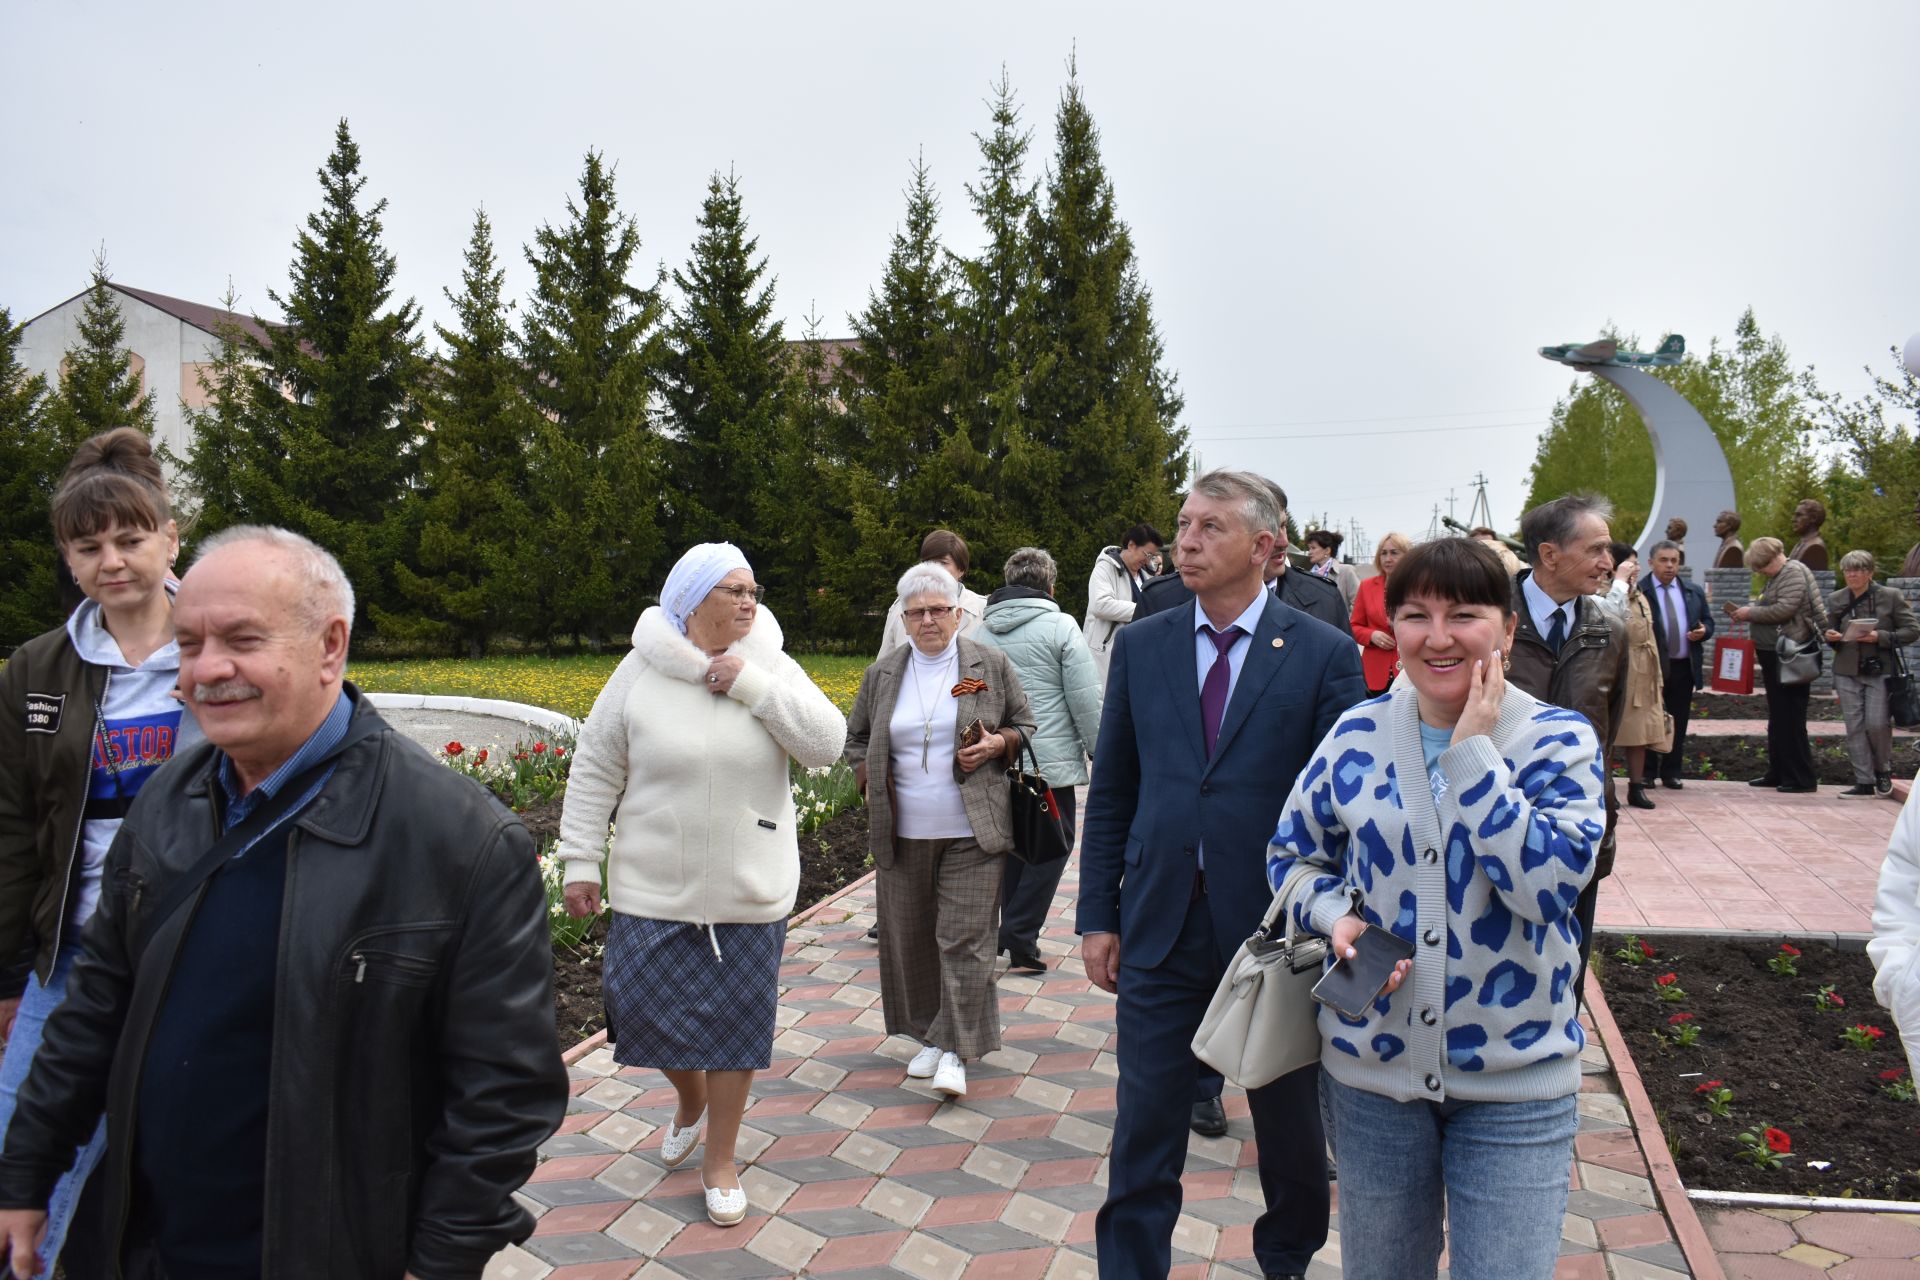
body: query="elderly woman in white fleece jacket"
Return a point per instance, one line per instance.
(1895, 945)
(687, 746)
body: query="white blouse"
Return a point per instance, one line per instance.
(926, 799)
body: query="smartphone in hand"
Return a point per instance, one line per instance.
(973, 733)
(1351, 985)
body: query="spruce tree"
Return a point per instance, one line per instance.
(223, 460)
(593, 549)
(33, 452)
(1102, 447)
(724, 380)
(907, 462)
(471, 510)
(99, 390)
(338, 397)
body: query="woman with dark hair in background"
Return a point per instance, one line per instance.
(1113, 589)
(88, 712)
(1323, 550)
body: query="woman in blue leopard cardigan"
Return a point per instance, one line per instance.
(1464, 816)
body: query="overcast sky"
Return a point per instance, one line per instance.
(1358, 221)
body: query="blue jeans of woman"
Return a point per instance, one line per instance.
(1493, 1173)
(36, 1003)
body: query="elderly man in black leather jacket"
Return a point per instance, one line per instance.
(316, 1002)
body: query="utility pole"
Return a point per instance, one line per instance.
(1434, 527)
(1481, 515)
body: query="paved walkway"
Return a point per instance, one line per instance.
(860, 1172)
(1723, 855)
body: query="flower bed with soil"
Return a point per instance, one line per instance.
(1770, 1065)
(1742, 759)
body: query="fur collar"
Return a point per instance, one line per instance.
(665, 649)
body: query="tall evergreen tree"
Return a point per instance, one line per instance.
(99, 390)
(906, 464)
(33, 452)
(472, 508)
(1102, 447)
(724, 379)
(221, 472)
(587, 346)
(338, 399)
(994, 322)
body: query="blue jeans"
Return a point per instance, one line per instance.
(36, 1003)
(1494, 1173)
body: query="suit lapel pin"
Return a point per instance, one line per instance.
(1278, 643)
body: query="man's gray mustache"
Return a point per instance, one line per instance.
(232, 691)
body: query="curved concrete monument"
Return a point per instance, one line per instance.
(1691, 477)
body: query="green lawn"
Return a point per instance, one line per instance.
(567, 685)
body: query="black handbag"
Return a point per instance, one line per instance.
(1903, 698)
(1040, 833)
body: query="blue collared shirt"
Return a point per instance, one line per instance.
(1673, 604)
(238, 806)
(1542, 608)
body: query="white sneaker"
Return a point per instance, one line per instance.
(924, 1062)
(677, 1144)
(951, 1077)
(725, 1208)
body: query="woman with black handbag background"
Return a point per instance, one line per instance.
(1063, 688)
(1788, 616)
(1869, 625)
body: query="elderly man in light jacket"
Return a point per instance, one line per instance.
(1114, 589)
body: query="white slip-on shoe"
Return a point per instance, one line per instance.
(924, 1062)
(951, 1077)
(725, 1208)
(677, 1144)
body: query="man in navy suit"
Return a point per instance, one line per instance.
(1221, 704)
(1681, 624)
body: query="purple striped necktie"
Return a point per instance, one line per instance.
(1213, 690)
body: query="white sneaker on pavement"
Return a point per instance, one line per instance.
(924, 1062)
(676, 1144)
(951, 1077)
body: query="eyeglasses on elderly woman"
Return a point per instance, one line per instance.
(740, 592)
(935, 611)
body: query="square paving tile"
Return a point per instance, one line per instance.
(984, 1237)
(833, 1223)
(570, 1191)
(946, 1182)
(729, 1264)
(815, 1169)
(577, 1247)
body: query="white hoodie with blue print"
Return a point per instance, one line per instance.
(1489, 860)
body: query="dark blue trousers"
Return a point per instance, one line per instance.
(1159, 1011)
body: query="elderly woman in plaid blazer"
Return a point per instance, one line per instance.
(940, 826)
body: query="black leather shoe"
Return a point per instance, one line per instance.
(1209, 1118)
(1799, 791)
(1765, 780)
(1671, 784)
(1637, 797)
(1286, 1275)
(1026, 962)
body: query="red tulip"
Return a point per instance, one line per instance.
(454, 748)
(1777, 1140)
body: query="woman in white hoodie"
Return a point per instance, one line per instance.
(87, 715)
(688, 747)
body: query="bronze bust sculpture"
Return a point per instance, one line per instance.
(1677, 532)
(1732, 554)
(1811, 549)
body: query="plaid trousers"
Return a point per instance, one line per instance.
(939, 910)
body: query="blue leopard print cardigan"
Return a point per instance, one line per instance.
(1492, 868)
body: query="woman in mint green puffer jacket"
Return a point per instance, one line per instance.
(1064, 690)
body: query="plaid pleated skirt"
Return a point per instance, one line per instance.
(674, 1005)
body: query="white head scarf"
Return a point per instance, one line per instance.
(698, 572)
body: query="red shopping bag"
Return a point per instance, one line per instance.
(1733, 666)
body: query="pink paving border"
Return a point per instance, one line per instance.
(1687, 1231)
(599, 1038)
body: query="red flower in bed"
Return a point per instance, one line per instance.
(1777, 1140)
(1666, 979)
(1679, 1018)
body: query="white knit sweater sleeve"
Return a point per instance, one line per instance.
(801, 718)
(599, 776)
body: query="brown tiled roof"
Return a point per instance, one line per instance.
(197, 314)
(833, 350)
